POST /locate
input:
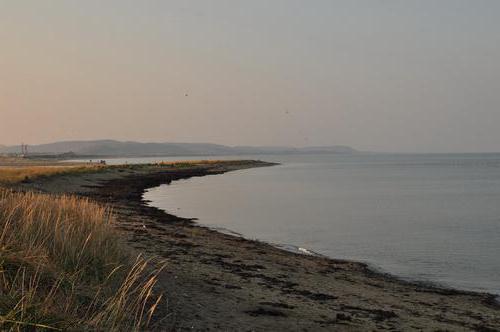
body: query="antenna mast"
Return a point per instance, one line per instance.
(24, 149)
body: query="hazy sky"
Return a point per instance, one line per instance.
(420, 75)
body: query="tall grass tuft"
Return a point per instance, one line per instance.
(63, 267)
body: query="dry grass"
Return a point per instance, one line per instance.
(10, 175)
(62, 267)
(191, 163)
(188, 162)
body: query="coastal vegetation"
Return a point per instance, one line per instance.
(14, 174)
(63, 267)
(192, 163)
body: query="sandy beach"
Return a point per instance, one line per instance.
(216, 281)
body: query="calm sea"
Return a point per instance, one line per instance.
(421, 217)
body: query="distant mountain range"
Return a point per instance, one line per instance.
(111, 148)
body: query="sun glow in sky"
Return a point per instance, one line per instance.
(415, 75)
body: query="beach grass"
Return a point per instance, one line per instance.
(14, 174)
(62, 267)
(191, 163)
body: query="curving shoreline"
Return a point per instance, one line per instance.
(219, 281)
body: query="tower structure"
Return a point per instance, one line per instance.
(24, 149)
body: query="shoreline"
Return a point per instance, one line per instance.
(296, 249)
(374, 268)
(293, 289)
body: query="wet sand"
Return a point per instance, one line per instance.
(216, 281)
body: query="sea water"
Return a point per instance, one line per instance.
(422, 217)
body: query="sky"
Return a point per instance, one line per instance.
(378, 75)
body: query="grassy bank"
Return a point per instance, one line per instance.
(63, 267)
(14, 174)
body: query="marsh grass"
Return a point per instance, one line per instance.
(62, 267)
(191, 163)
(14, 174)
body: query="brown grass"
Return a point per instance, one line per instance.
(191, 163)
(62, 267)
(10, 175)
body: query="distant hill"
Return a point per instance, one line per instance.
(111, 148)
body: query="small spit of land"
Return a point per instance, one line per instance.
(215, 281)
